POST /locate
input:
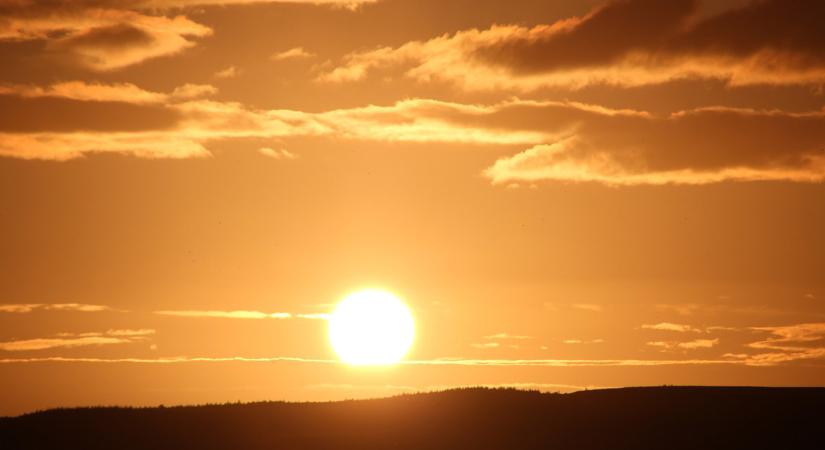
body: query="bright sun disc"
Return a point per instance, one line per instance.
(371, 327)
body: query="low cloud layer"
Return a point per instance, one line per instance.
(668, 326)
(31, 307)
(624, 43)
(507, 336)
(241, 314)
(779, 345)
(789, 343)
(582, 341)
(464, 362)
(565, 141)
(688, 345)
(72, 340)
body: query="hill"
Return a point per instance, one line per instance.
(631, 418)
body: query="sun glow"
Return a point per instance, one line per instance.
(371, 327)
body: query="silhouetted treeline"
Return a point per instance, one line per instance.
(664, 418)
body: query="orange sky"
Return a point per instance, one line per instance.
(566, 194)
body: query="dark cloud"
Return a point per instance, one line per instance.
(790, 26)
(605, 36)
(56, 115)
(661, 33)
(694, 147)
(100, 35)
(117, 37)
(626, 43)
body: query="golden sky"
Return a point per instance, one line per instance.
(567, 194)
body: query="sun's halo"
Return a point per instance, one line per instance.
(371, 327)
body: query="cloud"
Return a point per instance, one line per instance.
(119, 45)
(689, 345)
(48, 343)
(226, 314)
(127, 332)
(277, 153)
(667, 326)
(169, 360)
(623, 43)
(131, 332)
(293, 53)
(567, 141)
(183, 128)
(699, 343)
(190, 91)
(506, 336)
(789, 343)
(241, 315)
(84, 91)
(701, 146)
(31, 307)
(106, 35)
(99, 38)
(229, 72)
(580, 341)
(427, 362)
(71, 340)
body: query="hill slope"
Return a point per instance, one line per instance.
(632, 418)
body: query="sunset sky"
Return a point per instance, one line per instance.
(566, 194)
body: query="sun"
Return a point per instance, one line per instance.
(371, 327)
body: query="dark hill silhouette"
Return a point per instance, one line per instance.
(661, 418)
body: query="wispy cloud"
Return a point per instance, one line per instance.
(582, 341)
(240, 314)
(71, 340)
(189, 91)
(567, 362)
(31, 307)
(48, 343)
(131, 332)
(668, 326)
(84, 91)
(293, 53)
(169, 360)
(688, 345)
(229, 72)
(277, 153)
(428, 362)
(728, 359)
(141, 332)
(505, 336)
(789, 343)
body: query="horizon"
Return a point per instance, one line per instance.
(402, 395)
(216, 200)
